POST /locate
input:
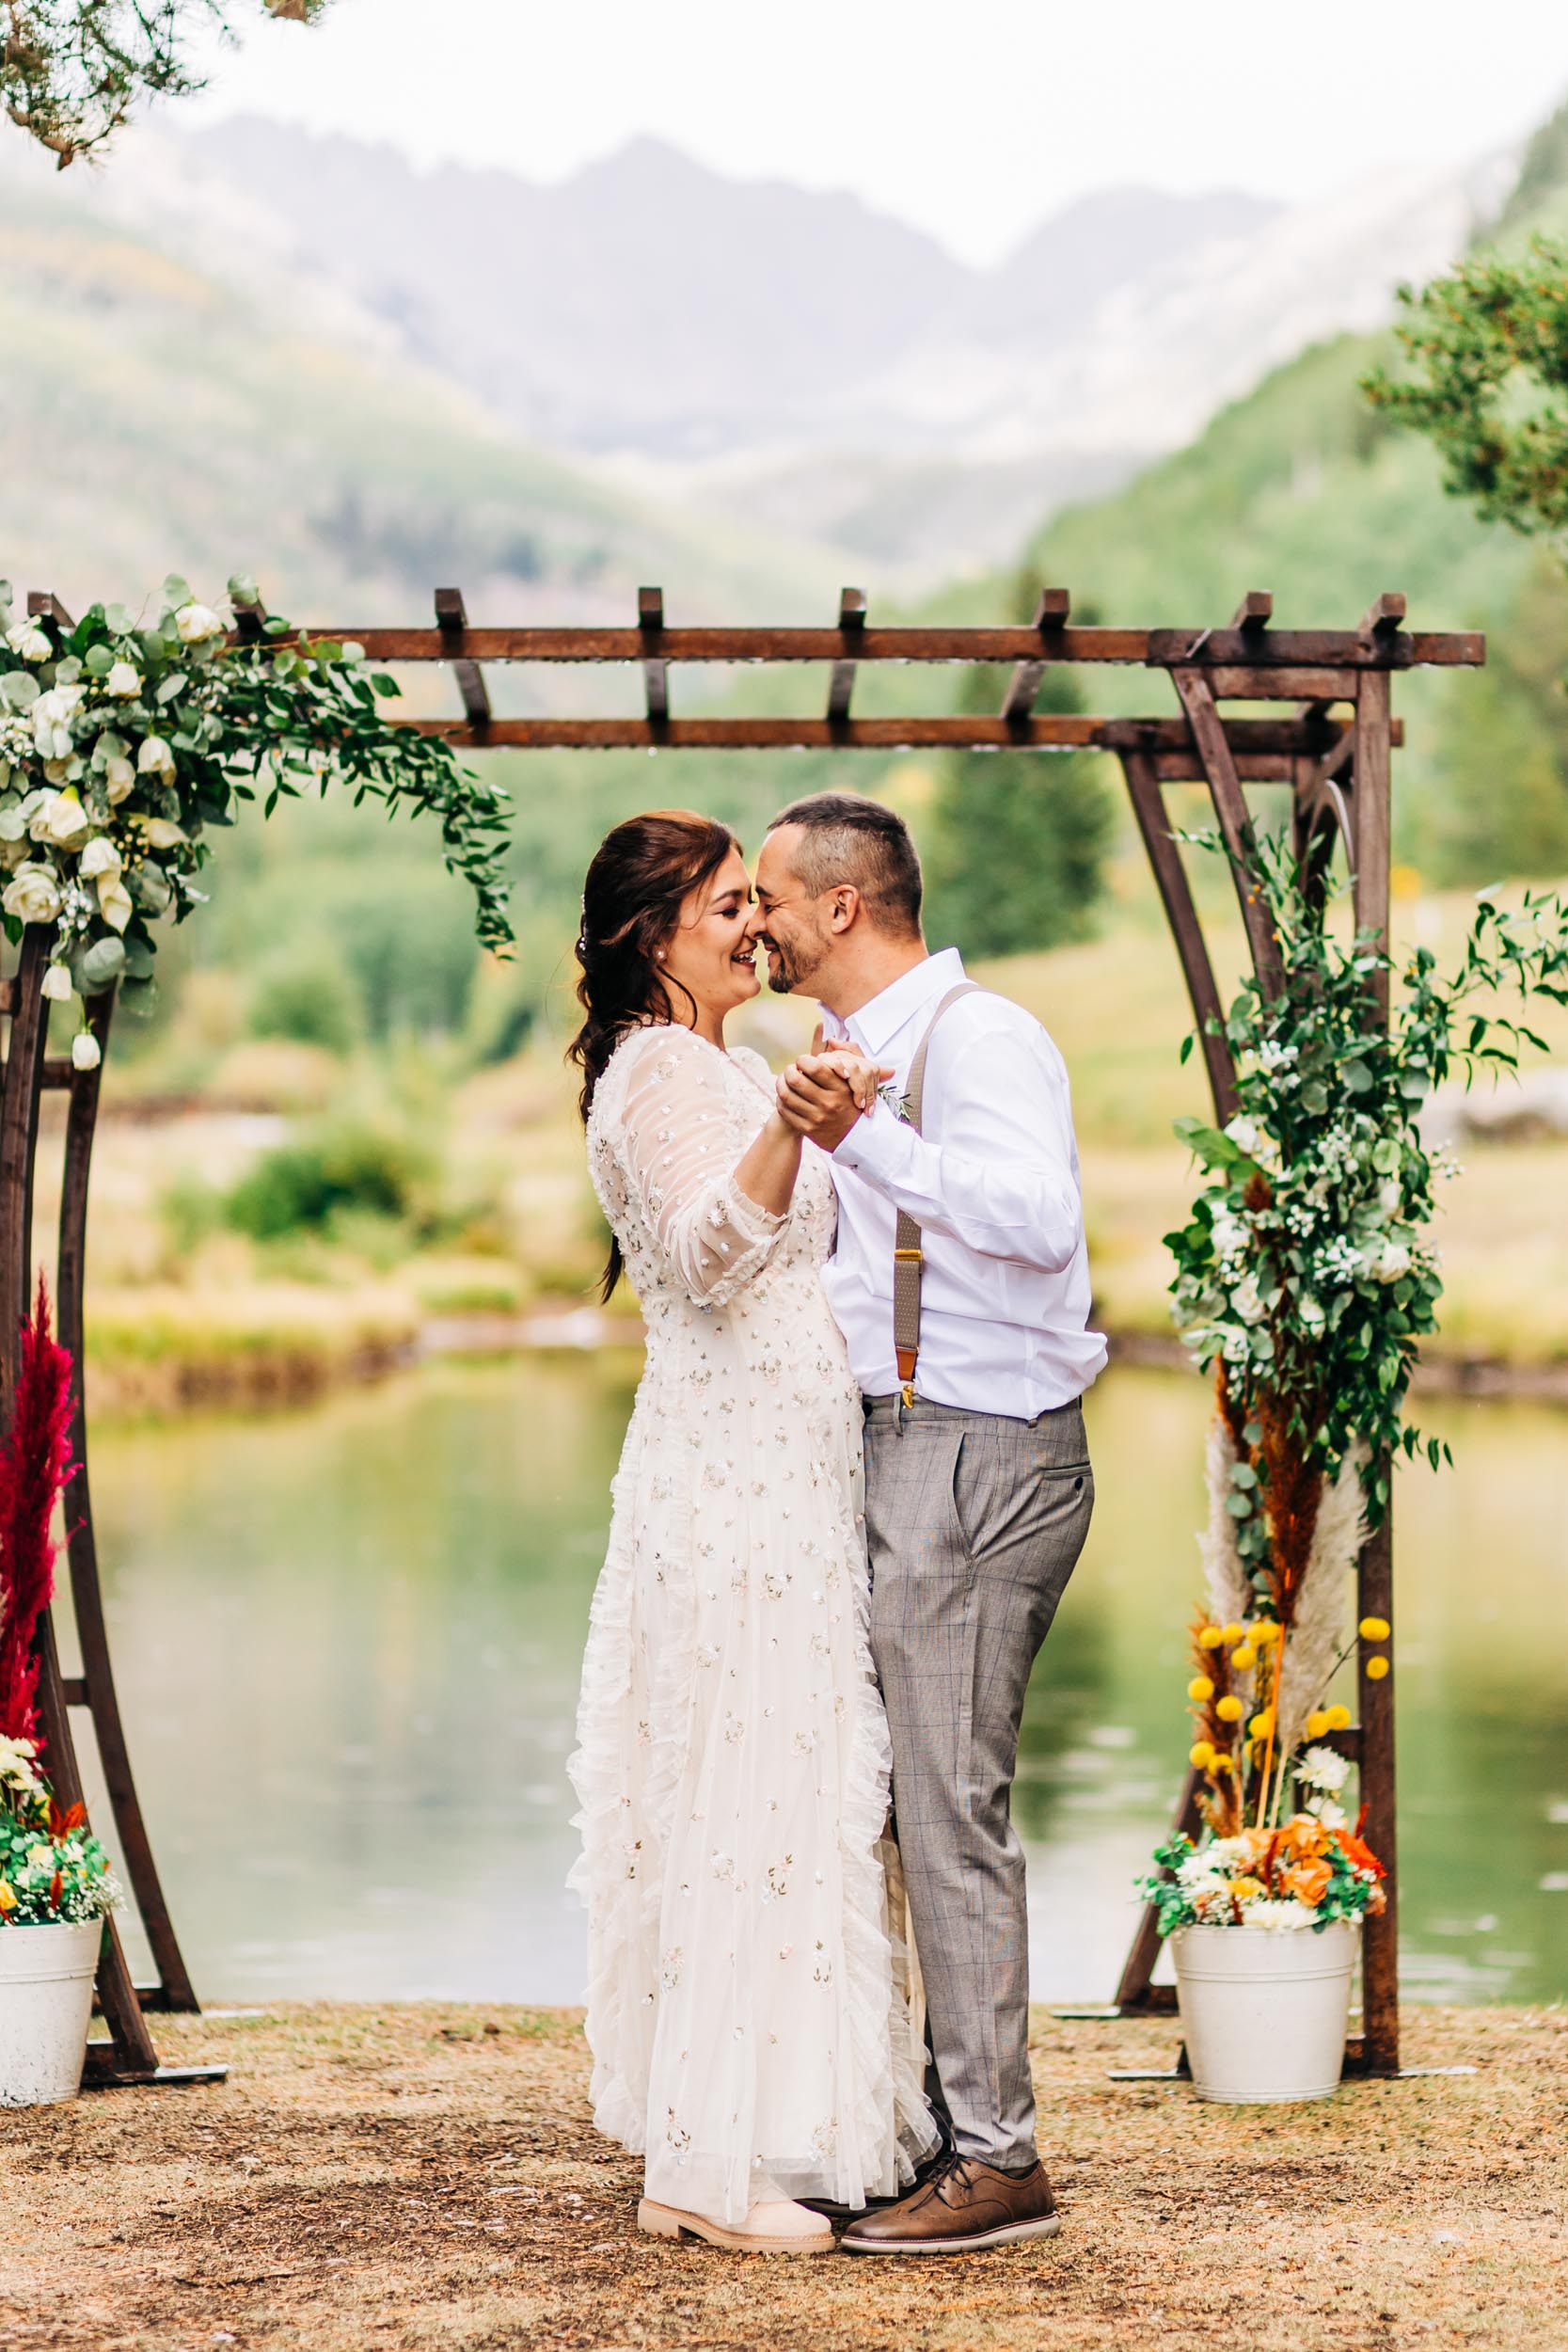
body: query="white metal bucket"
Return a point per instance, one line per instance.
(45, 2004)
(1263, 2014)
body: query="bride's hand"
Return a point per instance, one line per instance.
(860, 1075)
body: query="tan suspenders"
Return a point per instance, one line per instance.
(908, 1259)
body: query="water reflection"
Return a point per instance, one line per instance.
(348, 1643)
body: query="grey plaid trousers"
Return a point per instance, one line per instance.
(975, 1522)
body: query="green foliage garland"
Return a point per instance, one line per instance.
(1305, 1269)
(123, 746)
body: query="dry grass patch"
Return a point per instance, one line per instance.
(427, 2176)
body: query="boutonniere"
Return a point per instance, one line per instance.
(897, 1103)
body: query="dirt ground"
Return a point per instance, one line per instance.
(427, 2176)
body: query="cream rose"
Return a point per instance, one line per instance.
(1392, 1261)
(99, 857)
(62, 820)
(56, 984)
(154, 757)
(28, 642)
(119, 779)
(197, 622)
(86, 1053)
(113, 901)
(51, 717)
(32, 894)
(164, 833)
(123, 682)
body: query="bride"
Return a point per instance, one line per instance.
(747, 2007)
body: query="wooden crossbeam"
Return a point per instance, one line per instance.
(1253, 612)
(1342, 650)
(851, 623)
(655, 667)
(250, 618)
(452, 619)
(43, 605)
(1050, 620)
(1383, 619)
(1058, 731)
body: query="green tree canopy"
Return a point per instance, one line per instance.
(72, 70)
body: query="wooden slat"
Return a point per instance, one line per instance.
(57, 1073)
(1170, 876)
(176, 1991)
(250, 616)
(1049, 621)
(1383, 619)
(852, 624)
(1380, 1937)
(43, 605)
(655, 667)
(1225, 790)
(1253, 612)
(1051, 731)
(1371, 816)
(1158, 648)
(1259, 681)
(452, 619)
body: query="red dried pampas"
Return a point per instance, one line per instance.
(35, 1463)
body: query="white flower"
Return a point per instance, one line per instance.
(56, 984)
(1392, 1261)
(1278, 1912)
(1229, 1235)
(1246, 1136)
(154, 757)
(28, 642)
(197, 622)
(113, 901)
(51, 717)
(62, 819)
(1332, 1815)
(119, 778)
(1247, 1300)
(1389, 1195)
(85, 1051)
(164, 833)
(99, 857)
(123, 682)
(32, 894)
(1323, 1768)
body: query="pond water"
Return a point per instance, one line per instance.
(348, 1640)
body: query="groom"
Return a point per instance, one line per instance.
(960, 1281)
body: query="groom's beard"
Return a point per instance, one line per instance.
(788, 971)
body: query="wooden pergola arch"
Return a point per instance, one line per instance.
(1329, 741)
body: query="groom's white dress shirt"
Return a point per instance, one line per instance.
(992, 1180)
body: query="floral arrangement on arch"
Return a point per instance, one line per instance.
(1304, 1280)
(125, 742)
(53, 1869)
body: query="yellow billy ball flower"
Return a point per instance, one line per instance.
(1210, 1637)
(1339, 1719)
(1243, 1888)
(1222, 1762)
(1376, 1669)
(8, 1896)
(1264, 1630)
(1244, 1656)
(1231, 1633)
(1229, 1710)
(1199, 1689)
(1202, 1754)
(1261, 1724)
(1318, 1722)
(1373, 1629)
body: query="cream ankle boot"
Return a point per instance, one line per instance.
(774, 2225)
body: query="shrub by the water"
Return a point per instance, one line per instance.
(347, 1168)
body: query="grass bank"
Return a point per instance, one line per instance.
(428, 2176)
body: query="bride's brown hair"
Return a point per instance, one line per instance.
(641, 874)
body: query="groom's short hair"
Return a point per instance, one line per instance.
(845, 838)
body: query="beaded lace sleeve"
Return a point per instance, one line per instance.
(679, 1143)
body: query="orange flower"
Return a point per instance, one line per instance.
(1309, 1881)
(1358, 1853)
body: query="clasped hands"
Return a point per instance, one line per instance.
(823, 1092)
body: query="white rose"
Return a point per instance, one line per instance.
(119, 779)
(28, 642)
(1246, 1136)
(123, 680)
(62, 820)
(1390, 1196)
(33, 895)
(197, 622)
(113, 901)
(51, 717)
(1311, 1317)
(99, 857)
(1392, 1261)
(154, 757)
(1229, 1235)
(86, 1053)
(56, 984)
(164, 833)
(1247, 1300)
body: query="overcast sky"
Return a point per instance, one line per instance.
(972, 119)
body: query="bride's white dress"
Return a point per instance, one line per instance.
(747, 2002)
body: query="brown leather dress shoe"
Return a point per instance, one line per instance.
(962, 2208)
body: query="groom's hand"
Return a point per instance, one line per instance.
(818, 1099)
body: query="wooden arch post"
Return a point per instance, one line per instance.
(1331, 745)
